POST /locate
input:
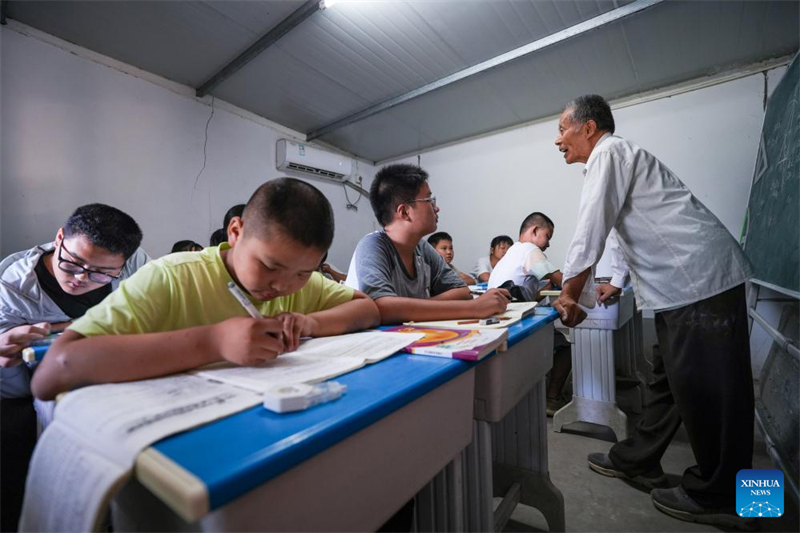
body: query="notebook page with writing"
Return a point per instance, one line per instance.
(314, 361)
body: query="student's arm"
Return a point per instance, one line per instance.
(58, 327)
(466, 278)
(334, 274)
(395, 310)
(75, 361)
(459, 293)
(357, 314)
(556, 277)
(481, 269)
(537, 265)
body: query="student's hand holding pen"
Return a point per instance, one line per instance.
(492, 302)
(249, 341)
(295, 326)
(14, 340)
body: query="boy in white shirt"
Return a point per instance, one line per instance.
(527, 267)
(497, 249)
(525, 263)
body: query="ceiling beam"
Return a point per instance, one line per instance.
(540, 44)
(272, 36)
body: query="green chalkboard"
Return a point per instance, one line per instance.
(772, 233)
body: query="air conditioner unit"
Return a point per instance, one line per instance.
(299, 157)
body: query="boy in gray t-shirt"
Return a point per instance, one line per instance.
(381, 271)
(403, 274)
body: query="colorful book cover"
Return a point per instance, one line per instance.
(466, 344)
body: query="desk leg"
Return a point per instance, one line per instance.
(440, 504)
(479, 479)
(593, 384)
(520, 456)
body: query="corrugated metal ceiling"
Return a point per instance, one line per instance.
(355, 55)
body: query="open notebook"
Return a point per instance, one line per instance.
(314, 361)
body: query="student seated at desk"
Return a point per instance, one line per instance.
(221, 235)
(186, 246)
(525, 263)
(41, 290)
(330, 272)
(396, 267)
(442, 242)
(177, 313)
(497, 249)
(528, 268)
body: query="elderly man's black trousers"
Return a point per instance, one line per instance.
(703, 378)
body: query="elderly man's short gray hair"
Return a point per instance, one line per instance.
(592, 107)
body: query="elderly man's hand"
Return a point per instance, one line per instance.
(607, 292)
(569, 311)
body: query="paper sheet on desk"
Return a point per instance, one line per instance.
(90, 448)
(314, 361)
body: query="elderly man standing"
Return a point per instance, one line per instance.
(689, 269)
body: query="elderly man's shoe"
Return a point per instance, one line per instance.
(677, 504)
(601, 463)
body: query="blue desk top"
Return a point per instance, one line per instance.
(239, 453)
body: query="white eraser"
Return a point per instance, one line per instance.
(290, 398)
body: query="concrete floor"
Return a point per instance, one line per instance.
(598, 503)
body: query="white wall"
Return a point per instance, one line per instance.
(486, 186)
(75, 131)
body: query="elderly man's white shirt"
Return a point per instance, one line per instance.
(678, 252)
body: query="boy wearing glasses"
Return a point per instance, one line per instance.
(398, 269)
(42, 290)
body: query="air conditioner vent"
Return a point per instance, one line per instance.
(313, 161)
(316, 171)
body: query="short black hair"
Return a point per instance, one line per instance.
(592, 107)
(536, 219)
(186, 246)
(235, 211)
(500, 239)
(439, 236)
(218, 237)
(394, 185)
(106, 227)
(298, 208)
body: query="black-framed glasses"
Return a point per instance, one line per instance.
(431, 199)
(71, 267)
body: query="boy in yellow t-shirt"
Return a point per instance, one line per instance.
(176, 313)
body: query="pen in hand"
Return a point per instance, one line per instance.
(248, 305)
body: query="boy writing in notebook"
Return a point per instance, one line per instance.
(399, 270)
(177, 313)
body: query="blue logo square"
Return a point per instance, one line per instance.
(759, 493)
